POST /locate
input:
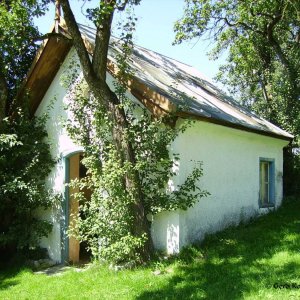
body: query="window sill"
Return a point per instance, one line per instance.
(271, 205)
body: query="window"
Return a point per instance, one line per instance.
(266, 182)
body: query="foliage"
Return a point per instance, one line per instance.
(226, 266)
(25, 161)
(291, 165)
(17, 47)
(106, 221)
(262, 39)
(110, 106)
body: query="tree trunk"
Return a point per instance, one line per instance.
(95, 75)
(3, 98)
(292, 103)
(131, 181)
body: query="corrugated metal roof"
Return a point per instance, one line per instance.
(187, 88)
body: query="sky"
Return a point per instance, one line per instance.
(154, 31)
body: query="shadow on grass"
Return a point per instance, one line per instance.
(9, 271)
(7, 283)
(239, 262)
(7, 276)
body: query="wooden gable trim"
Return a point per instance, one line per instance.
(45, 66)
(156, 103)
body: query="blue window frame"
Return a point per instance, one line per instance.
(266, 182)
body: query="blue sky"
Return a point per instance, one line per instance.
(154, 31)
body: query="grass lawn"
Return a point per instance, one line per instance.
(245, 262)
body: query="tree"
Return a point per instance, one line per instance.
(25, 159)
(263, 42)
(263, 65)
(128, 175)
(17, 47)
(95, 75)
(25, 162)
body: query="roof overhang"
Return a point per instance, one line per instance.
(45, 66)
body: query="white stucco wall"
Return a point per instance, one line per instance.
(231, 175)
(54, 103)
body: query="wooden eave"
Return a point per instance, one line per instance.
(43, 70)
(52, 54)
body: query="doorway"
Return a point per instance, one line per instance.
(76, 252)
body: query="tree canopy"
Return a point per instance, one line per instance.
(17, 46)
(25, 159)
(262, 38)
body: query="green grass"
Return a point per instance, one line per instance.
(238, 263)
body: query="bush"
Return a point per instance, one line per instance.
(25, 162)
